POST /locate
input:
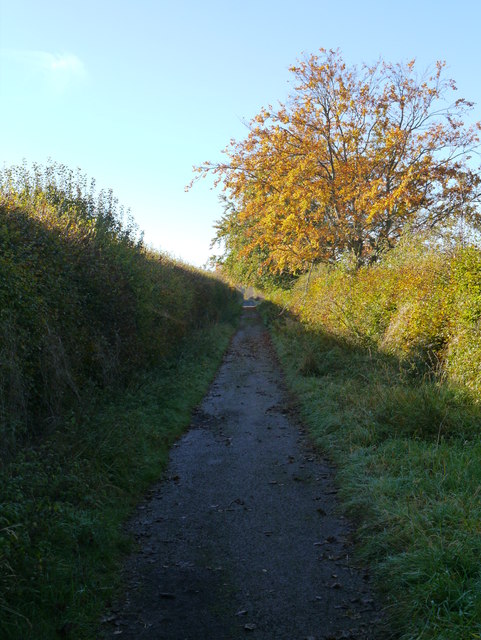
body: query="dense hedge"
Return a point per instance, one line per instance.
(421, 303)
(83, 304)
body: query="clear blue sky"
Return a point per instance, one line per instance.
(135, 92)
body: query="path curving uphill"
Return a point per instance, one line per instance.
(244, 537)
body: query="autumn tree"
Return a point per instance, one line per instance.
(351, 158)
(240, 261)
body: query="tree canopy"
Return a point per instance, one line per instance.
(352, 157)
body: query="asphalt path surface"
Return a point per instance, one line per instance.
(244, 537)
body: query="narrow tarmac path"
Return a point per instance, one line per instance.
(243, 537)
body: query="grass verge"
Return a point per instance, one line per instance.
(408, 453)
(63, 502)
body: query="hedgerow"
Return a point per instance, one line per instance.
(421, 303)
(83, 304)
(105, 348)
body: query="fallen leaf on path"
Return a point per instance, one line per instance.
(250, 626)
(241, 612)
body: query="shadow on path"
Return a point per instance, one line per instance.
(243, 537)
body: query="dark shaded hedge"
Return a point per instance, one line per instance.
(83, 304)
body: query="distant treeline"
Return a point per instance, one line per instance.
(83, 304)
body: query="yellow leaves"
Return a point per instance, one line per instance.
(289, 224)
(353, 156)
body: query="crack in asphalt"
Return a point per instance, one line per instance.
(244, 535)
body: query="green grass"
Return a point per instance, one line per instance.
(63, 502)
(408, 452)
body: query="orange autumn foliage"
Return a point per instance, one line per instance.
(353, 157)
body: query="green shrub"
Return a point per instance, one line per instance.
(421, 303)
(83, 304)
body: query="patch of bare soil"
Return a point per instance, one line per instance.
(244, 535)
